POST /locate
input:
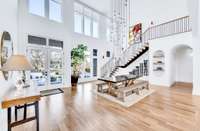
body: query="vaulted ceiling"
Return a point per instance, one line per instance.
(101, 5)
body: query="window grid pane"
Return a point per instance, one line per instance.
(87, 26)
(37, 7)
(95, 29)
(78, 23)
(55, 11)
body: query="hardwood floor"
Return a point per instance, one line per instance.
(165, 110)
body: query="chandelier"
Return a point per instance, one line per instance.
(120, 23)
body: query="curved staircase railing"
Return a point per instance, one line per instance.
(135, 50)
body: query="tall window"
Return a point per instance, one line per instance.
(108, 34)
(86, 21)
(86, 67)
(87, 26)
(95, 29)
(95, 25)
(37, 7)
(78, 22)
(44, 8)
(108, 30)
(78, 18)
(55, 10)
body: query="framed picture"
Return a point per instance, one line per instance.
(135, 34)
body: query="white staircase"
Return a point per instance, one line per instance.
(135, 50)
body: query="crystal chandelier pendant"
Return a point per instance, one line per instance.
(120, 24)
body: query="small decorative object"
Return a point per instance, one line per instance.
(18, 63)
(78, 56)
(19, 84)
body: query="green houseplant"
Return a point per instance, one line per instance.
(78, 56)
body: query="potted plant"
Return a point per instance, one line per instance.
(78, 56)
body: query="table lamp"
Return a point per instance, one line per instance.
(17, 63)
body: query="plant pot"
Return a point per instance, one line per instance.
(74, 81)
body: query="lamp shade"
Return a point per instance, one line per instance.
(17, 63)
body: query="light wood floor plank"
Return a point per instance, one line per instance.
(168, 109)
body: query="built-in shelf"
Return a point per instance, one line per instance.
(158, 62)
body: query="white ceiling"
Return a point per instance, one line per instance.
(103, 6)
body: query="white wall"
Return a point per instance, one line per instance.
(38, 26)
(101, 44)
(9, 19)
(173, 71)
(194, 8)
(8, 22)
(158, 11)
(145, 11)
(92, 43)
(34, 25)
(167, 45)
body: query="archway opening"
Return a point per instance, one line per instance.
(183, 68)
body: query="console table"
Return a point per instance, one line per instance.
(13, 97)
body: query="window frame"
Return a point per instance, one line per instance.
(47, 10)
(89, 14)
(91, 29)
(61, 10)
(82, 22)
(43, 16)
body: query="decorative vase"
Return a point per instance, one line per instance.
(74, 81)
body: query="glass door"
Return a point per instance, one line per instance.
(55, 67)
(48, 66)
(39, 74)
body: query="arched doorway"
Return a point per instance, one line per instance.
(183, 68)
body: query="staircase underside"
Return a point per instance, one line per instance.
(143, 51)
(135, 57)
(114, 71)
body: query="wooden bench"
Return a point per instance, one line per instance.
(122, 93)
(102, 87)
